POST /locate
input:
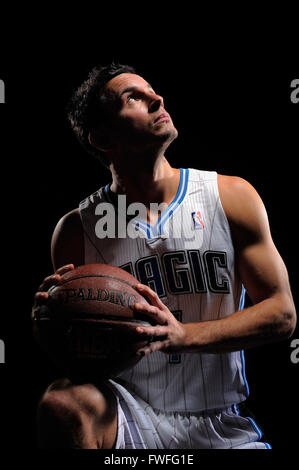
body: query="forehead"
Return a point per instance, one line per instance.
(126, 80)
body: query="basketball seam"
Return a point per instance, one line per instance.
(93, 275)
(95, 317)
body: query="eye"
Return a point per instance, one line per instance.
(130, 99)
(133, 97)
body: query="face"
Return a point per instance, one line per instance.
(141, 119)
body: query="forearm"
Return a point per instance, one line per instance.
(272, 319)
(268, 321)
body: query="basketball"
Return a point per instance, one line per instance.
(87, 326)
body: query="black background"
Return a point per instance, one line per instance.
(230, 101)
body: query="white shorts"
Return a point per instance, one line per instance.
(142, 427)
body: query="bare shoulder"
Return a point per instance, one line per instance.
(243, 206)
(69, 220)
(67, 244)
(235, 186)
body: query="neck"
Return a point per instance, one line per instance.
(145, 179)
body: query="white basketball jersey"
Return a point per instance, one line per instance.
(188, 258)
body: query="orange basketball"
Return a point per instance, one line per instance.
(88, 324)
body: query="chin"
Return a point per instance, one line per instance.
(170, 135)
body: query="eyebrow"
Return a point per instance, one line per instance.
(134, 88)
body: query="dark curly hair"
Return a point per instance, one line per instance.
(91, 105)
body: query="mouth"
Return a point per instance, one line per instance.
(162, 117)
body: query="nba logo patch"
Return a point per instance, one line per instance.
(198, 221)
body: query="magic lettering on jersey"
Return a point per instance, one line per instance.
(182, 272)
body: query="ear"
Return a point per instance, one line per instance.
(100, 140)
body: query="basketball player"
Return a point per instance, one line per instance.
(193, 262)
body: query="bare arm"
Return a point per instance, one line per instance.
(67, 251)
(67, 245)
(263, 273)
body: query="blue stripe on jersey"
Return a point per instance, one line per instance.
(254, 425)
(243, 373)
(184, 177)
(170, 209)
(156, 230)
(107, 189)
(145, 227)
(241, 306)
(242, 299)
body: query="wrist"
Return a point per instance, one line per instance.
(203, 336)
(191, 337)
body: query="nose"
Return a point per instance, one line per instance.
(155, 103)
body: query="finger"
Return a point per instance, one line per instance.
(153, 312)
(150, 348)
(65, 269)
(154, 333)
(56, 277)
(151, 295)
(49, 281)
(40, 298)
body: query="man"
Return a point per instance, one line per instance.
(193, 258)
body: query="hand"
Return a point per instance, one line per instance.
(41, 296)
(169, 334)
